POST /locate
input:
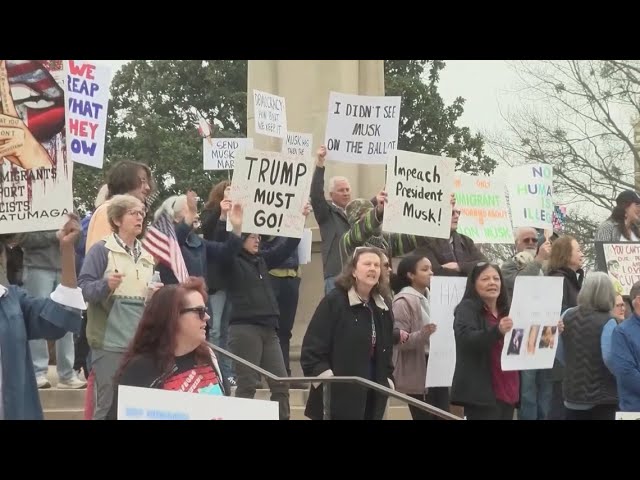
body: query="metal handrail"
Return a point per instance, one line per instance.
(327, 380)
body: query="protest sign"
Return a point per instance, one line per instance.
(361, 129)
(298, 144)
(221, 153)
(531, 196)
(419, 191)
(86, 106)
(270, 113)
(622, 261)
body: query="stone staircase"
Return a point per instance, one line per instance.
(62, 404)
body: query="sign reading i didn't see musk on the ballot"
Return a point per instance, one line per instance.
(361, 129)
(221, 153)
(86, 105)
(419, 189)
(273, 188)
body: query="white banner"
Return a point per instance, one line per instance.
(270, 114)
(531, 196)
(446, 293)
(86, 106)
(137, 403)
(361, 129)
(419, 189)
(273, 188)
(484, 213)
(535, 310)
(298, 144)
(220, 153)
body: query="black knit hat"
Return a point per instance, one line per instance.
(627, 197)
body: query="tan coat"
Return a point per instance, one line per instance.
(409, 357)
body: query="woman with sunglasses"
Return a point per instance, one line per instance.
(169, 350)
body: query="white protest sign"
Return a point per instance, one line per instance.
(36, 172)
(445, 295)
(220, 153)
(623, 264)
(304, 247)
(86, 105)
(627, 415)
(419, 189)
(273, 189)
(531, 196)
(535, 310)
(270, 114)
(484, 213)
(298, 144)
(361, 129)
(137, 403)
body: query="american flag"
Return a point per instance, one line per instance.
(161, 242)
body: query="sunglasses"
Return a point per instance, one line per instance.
(201, 311)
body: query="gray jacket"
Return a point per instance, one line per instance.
(41, 250)
(514, 267)
(608, 231)
(333, 225)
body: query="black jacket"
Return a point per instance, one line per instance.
(339, 339)
(474, 341)
(249, 287)
(588, 380)
(214, 230)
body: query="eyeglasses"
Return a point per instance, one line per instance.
(139, 213)
(529, 240)
(201, 311)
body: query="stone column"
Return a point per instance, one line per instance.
(305, 85)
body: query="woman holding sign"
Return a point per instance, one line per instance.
(480, 323)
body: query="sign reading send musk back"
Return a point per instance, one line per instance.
(35, 174)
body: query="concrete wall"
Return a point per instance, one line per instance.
(306, 84)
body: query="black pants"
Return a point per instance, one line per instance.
(436, 396)
(82, 348)
(598, 412)
(286, 290)
(557, 410)
(500, 411)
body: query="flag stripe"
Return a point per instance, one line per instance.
(161, 242)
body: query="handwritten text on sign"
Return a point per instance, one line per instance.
(270, 112)
(361, 129)
(419, 190)
(36, 175)
(484, 214)
(298, 144)
(87, 98)
(273, 188)
(531, 196)
(623, 264)
(221, 153)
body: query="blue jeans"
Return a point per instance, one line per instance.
(329, 284)
(40, 283)
(219, 332)
(535, 394)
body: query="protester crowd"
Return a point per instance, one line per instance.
(136, 324)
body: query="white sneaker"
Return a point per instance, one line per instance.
(42, 382)
(74, 383)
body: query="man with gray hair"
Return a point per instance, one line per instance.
(531, 255)
(331, 217)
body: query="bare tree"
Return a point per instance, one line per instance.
(579, 119)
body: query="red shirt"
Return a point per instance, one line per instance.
(506, 385)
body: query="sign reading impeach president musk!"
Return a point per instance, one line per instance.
(419, 189)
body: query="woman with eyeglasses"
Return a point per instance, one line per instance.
(169, 350)
(114, 281)
(481, 320)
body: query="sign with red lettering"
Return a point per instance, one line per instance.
(86, 103)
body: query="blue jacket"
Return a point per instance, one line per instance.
(24, 318)
(199, 255)
(625, 363)
(271, 243)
